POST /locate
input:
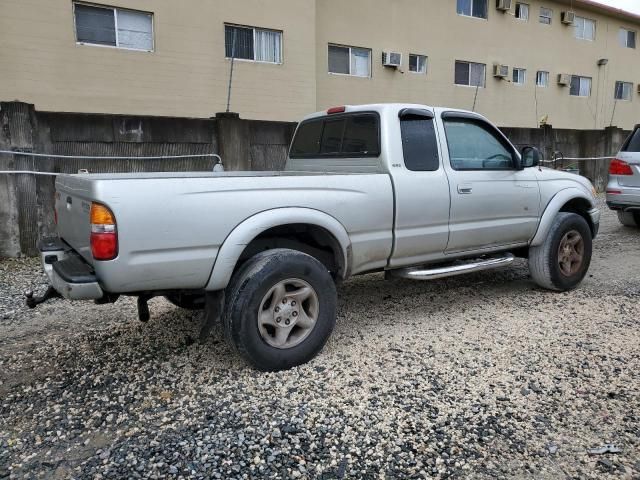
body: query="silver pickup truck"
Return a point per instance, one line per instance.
(415, 191)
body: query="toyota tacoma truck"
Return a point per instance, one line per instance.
(410, 190)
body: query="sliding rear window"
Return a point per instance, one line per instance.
(633, 142)
(342, 136)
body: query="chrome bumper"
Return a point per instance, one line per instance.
(68, 273)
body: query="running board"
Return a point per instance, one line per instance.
(423, 273)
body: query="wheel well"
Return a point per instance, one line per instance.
(581, 207)
(310, 239)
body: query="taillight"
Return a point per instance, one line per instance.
(104, 234)
(333, 110)
(619, 167)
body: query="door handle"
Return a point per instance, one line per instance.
(465, 189)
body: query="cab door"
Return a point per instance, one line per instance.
(421, 189)
(494, 203)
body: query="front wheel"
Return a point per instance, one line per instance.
(629, 219)
(281, 309)
(562, 261)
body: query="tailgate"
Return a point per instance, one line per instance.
(73, 206)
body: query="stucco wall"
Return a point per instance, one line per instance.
(432, 28)
(186, 75)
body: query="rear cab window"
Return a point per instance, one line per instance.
(346, 135)
(632, 144)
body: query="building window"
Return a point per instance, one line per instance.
(542, 79)
(470, 74)
(519, 76)
(546, 15)
(350, 61)
(113, 27)
(472, 8)
(522, 11)
(623, 90)
(417, 63)
(580, 86)
(627, 38)
(585, 29)
(249, 43)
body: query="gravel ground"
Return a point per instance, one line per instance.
(484, 376)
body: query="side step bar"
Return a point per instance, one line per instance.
(424, 273)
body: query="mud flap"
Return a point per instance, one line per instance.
(213, 306)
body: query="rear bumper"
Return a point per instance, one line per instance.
(68, 273)
(624, 198)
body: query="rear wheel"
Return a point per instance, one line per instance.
(281, 309)
(629, 219)
(562, 261)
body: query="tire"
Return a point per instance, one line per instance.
(263, 292)
(186, 300)
(545, 260)
(629, 219)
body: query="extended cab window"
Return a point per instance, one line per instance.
(475, 145)
(349, 135)
(419, 143)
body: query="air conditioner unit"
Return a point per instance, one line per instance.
(501, 71)
(392, 59)
(568, 17)
(504, 5)
(564, 79)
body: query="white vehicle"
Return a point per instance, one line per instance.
(416, 191)
(623, 189)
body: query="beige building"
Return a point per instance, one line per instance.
(171, 58)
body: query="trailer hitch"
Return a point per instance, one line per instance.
(34, 301)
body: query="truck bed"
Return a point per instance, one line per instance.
(171, 225)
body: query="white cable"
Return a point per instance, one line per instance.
(96, 157)
(28, 172)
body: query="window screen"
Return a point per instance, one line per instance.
(351, 135)
(95, 25)
(462, 73)
(633, 142)
(242, 39)
(419, 144)
(339, 60)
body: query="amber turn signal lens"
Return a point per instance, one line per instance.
(101, 215)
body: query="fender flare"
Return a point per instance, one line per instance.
(235, 243)
(552, 209)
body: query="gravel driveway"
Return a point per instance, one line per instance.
(484, 376)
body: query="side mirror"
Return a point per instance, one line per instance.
(530, 157)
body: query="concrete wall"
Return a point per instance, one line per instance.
(187, 74)
(26, 201)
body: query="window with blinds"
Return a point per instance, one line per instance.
(470, 74)
(113, 27)
(251, 43)
(350, 60)
(580, 86)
